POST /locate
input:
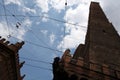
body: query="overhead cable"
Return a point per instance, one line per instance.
(41, 61)
(50, 18)
(35, 44)
(6, 16)
(43, 68)
(19, 23)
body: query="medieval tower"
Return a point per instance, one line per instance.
(9, 60)
(102, 40)
(98, 58)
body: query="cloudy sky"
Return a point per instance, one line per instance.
(48, 27)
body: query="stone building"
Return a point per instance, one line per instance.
(9, 60)
(98, 58)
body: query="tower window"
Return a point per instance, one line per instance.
(104, 31)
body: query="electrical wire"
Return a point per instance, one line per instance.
(29, 29)
(15, 16)
(43, 68)
(6, 16)
(50, 18)
(40, 61)
(38, 37)
(38, 45)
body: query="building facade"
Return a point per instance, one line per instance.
(98, 58)
(9, 60)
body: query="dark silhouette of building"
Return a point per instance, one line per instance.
(9, 60)
(98, 58)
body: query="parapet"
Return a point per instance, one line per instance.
(78, 66)
(13, 47)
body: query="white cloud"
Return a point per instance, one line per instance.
(23, 28)
(78, 2)
(21, 4)
(3, 29)
(19, 33)
(44, 32)
(58, 4)
(52, 38)
(79, 16)
(27, 22)
(6, 30)
(26, 9)
(18, 2)
(76, 36)
(43, 4)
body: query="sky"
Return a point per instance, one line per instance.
(48, 27)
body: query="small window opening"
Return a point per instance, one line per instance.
(104, 31)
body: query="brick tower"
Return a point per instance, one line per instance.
(98, 58)
(9, 60)
(102, 41)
